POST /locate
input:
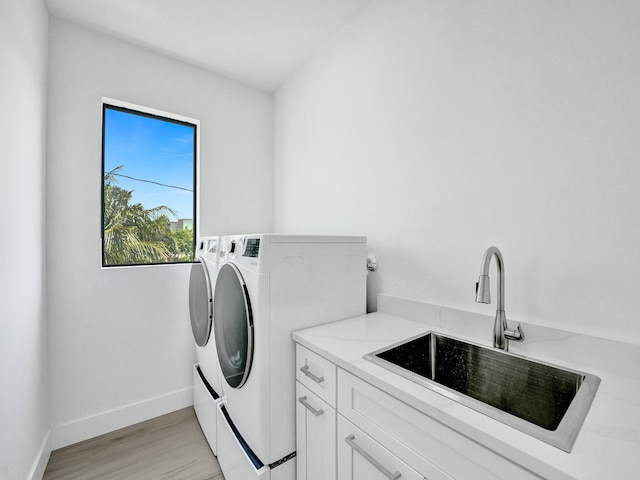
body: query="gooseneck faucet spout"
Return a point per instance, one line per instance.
(501, 332)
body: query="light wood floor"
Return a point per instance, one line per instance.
(168, 447)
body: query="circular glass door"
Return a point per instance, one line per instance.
(233, 325)
(200, 303)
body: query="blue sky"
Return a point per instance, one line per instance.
(155, 150)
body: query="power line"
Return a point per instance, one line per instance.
(151, 181)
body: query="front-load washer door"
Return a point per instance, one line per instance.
(200, 303)
(233, 325)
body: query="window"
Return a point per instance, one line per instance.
(149, 166)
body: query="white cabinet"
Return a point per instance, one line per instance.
(350, 430)
(362, 458)
(315, 416)
(316, 436)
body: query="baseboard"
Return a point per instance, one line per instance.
(40, 464)
(89, 427)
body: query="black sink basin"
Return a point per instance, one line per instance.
(543, 400)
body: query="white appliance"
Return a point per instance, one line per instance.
(207, 379)
(268, 286)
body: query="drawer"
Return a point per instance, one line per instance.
(435, 450)
(206, 411)
(362, 458)
(317, 374)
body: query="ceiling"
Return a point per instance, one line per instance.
(257, 42)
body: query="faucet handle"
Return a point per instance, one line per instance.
(516, 335)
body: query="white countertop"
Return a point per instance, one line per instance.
(608, 445)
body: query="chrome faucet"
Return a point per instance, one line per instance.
(501, 332)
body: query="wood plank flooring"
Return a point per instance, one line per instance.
(168, 447)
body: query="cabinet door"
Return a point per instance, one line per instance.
(362, 458)
(315, 436)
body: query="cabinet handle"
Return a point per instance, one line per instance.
(308, 373)
(303, 400)
(352, 443)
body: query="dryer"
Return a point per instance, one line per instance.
(207, 380)
(268, 286)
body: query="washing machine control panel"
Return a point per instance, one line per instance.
(252, 248)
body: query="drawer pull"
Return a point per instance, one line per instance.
(352, 443)
(308, 373)
(303, 401)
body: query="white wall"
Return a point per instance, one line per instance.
(23, 371)
(121, 336)
(440, 128)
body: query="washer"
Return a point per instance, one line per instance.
(268, 286)
(207, 380)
